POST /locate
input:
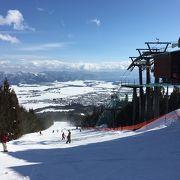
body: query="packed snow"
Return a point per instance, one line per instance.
(151, 153)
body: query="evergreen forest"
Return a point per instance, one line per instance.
(15, 120)
(120, 113)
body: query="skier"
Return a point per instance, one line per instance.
(4, 140)
(68, 137)
(63, 136)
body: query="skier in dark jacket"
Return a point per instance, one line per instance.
(4, 140)
(68, 137)
(63, 136)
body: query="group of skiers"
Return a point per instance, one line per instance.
(63, 136)
(68, 137)
(4, 139)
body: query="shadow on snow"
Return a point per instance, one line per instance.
(150, 156)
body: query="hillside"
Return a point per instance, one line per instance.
(151, 153)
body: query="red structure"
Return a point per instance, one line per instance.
(167, 66)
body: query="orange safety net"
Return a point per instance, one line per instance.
(136, 126)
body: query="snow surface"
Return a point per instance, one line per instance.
(55, 110)
(151, 153)
(44, 94)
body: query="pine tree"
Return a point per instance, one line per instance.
(174, 101)
(14, 119)
(9, 107)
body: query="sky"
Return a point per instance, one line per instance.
(83, 31)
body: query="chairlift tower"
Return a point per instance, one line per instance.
(113, 108)
(145, 61)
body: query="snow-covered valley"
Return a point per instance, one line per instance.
(65, 93)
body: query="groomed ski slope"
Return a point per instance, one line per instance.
(151, 153)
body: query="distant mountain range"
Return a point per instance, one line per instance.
(57, 65)
(51, 76)
(40, 71)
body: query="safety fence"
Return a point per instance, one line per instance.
(169, 116)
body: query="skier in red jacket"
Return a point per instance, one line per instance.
(4, 140)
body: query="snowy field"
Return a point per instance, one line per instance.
(64, 93)
(151, 153)
(89, 92)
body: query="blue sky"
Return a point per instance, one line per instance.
(84, 30)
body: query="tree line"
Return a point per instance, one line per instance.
(15, 120)
(123, 116)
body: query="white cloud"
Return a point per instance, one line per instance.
(95, 21)
(37, 65)
(57, 65)
(3, 62)
(15, 18)
(44, 47)
(50, 12)
(40, 9)
(7, 37)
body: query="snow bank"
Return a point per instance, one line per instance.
(162, 122)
